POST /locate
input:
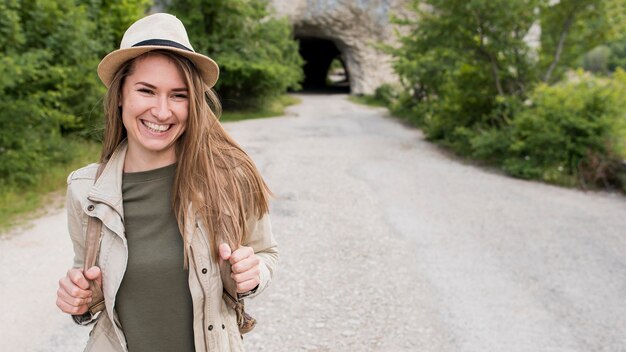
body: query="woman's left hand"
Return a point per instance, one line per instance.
(244, 266)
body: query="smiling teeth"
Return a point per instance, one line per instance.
(155, 127)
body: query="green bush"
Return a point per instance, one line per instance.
(572, 132)
(387, 94)
(597, 60)
(617, 57)
(470, 104)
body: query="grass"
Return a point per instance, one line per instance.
(18, 205)
(368, 100)
(274, 108)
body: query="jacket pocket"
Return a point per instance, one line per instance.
(232, 334)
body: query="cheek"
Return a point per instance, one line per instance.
(126, 123)
(131, 109)
(183, 113)
(126, 120)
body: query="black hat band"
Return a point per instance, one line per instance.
(162, 42)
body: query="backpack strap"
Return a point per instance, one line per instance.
(92, 249)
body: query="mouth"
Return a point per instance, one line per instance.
(155, 127)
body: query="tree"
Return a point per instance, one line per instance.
(465, 60)
(257, 54)
(569, 29)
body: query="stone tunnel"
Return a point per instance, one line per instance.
(346, 30)
(318, 55)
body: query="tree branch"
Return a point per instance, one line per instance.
(518, 65)
(492, 60)
(496, 73)
(559, 47)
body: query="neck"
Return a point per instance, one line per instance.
(147, 161)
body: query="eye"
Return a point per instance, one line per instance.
(180, 96)
(145, 90)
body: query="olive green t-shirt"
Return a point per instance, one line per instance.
(153, 302)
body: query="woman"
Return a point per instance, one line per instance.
(179, 201)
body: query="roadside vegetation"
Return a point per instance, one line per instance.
(478, 78)
(369, 100)
(18, 203)
(51, 97)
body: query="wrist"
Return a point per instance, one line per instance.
(84, 319)
(246, 294)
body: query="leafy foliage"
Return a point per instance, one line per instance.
(617, 56)
(111, 18)
(572, 132)
(466, 65)
(473, 80)
(257, 54)
(48, 84)
(597, 60)
(577, 25)
(616, 35)
(450, 37)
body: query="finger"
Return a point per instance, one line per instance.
(77, 277)
(94, 273)
(245, 264)
(224, 250)
(246, 286)
(253, 273)
(69, 309)
(70, 300)
(72, 290)
(240, 254)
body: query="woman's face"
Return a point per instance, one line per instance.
(155, 106)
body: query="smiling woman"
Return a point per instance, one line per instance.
(186, 230)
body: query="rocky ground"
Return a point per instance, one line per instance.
(387, 244)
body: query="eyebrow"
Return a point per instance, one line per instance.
(183, 89)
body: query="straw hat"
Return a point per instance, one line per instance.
(157, 31)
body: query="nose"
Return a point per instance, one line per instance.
(162, 110)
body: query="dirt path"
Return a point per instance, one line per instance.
(387, 244)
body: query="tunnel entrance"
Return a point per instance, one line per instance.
(324, 68)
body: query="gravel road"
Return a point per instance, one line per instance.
(387, 244)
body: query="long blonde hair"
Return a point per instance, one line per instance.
(215, 179)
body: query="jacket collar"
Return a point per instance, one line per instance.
(108, 188)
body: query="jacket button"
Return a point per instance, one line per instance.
(90, 207)
(204, 270)
(210, 327)
(223, 327)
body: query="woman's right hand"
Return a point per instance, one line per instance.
(74, 295)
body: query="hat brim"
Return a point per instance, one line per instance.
(112, 62)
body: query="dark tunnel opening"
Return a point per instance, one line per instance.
(324, 69)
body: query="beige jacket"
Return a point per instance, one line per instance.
(214, 323)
